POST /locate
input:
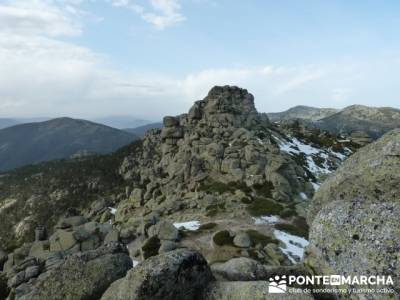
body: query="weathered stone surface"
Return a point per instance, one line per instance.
(169, 121)
(83, 276)
(71, 221)
(242, 240)
(167, 246)
(178, 275)
(31, 272)
(62, 240)
(356, 239)
(40, 249)
(239, 269)
(167, 231)
(112, 236)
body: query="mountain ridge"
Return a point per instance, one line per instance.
(55, 139)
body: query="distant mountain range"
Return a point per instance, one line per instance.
(141, 130)
(4, 122)
(372, 121)
(355, 120)
(55, 139)
(8, 122)
(121, 122)
(302, 112)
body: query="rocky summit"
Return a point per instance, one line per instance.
(210, 206)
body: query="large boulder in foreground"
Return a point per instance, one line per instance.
(357, 239)
(371, 174)
(240, 268)
(82, 276)
(355, 228)
(178, 275)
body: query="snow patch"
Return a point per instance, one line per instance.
(134, 263)
(315, 186)
(296, 147)
(339, 155)
(303, 196)
(294, 244)
(190, 225)
(266, 220)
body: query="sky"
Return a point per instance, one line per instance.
(150, 58)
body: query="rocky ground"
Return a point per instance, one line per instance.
(208, 207)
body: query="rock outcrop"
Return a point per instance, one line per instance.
(85, 275)
(177, 275)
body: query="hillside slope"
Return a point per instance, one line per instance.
(58, 138)
(302, 112)
(372, 121)
(6, 122)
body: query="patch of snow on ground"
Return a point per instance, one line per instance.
(294, 244)
(297, 147)
(112, 210)
(134, 263)
(266, 220)
(303, 196)
(348, 150)
(312, 166)
(190, 225)
(315, 186)
(339, 155)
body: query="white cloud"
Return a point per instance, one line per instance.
(38, 18)
(163, 13)
(43, 76)
(167, 13)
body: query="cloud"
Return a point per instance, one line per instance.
(167, 13)
(162, 14)
(38, 18)
(44, 76)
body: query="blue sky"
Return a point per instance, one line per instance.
(148, 58)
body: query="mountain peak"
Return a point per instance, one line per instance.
(229, 99)
(224, 100)
(224, 109)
